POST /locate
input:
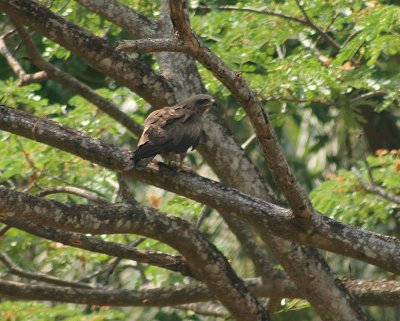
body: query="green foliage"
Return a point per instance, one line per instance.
(349, 202)
(310, 88)
(181, 206)
(21, 311)
(314, 93)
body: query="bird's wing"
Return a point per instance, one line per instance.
(185, 134)
(157, 122)
(165, 115)
(152, 142)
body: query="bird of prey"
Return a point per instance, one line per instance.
(172, 130)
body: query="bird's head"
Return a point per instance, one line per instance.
(200, 102)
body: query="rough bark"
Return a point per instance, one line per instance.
(222, 153)
(382, 293)
(182, 73)
(320, 231)
(280, 170)
(238, 184)
(206, 262)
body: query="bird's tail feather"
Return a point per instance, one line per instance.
(145, 151)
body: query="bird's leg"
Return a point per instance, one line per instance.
(167, 158)
(181, 158)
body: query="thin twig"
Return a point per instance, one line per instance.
(318, 29)
(337, 14)
(124, 189)
(262, 11)
(307, 21)
(142, 273)
(13, 268)
(8, 34)
(110, 268)
(368, 96)
(24, 78)
(4, 230)
(248, 141)
(374, 189)
(94, 244)
(368, 168)
(74, 191)
(205, 211)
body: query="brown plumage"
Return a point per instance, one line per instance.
(172, 130)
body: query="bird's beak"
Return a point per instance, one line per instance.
(213, 102)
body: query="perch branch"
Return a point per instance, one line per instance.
(321, 231)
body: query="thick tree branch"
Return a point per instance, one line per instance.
(276, 284)
(209, 309)
(151, 45)
(320, 231)
(13, 268)
(148, 297)
(123, 16)
(206, 262)
(383, 293)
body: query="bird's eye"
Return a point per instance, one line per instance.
(203, 101)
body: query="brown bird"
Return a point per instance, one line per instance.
(172, 130)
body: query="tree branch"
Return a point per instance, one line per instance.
(221, 151)
(332, 42)
(151, 45)
(75, 191)
(13, 268)
(206, 262)
(320, 231)
(4, 230)
(93, 244)
(123, 16)
(24, 78)
(286, 181)
(383, 293)
(280, 170)
(208, 309)
(147, 297)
